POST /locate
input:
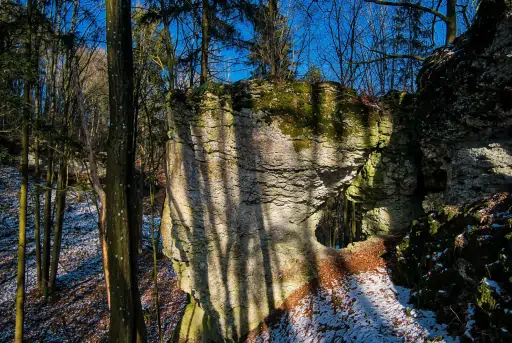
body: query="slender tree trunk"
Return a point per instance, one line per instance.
(155, 267)
(205, 42)
(20, 280)
(37, 177)
(126, 319)
(170, 55)
(353, 223)
(451, 23)
(50, 167)
(47, 223)
(59, 221)
(345, 219)
(37, 173)
(271, 27)
(96, 184)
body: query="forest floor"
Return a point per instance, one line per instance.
(78, 312)
(353, 300)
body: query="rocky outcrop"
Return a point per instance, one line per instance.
(456, 260)
(248, 170)
(386, 186)
(465, 111)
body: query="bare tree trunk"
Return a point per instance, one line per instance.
(59, 221)
(37, 177)
(451, 21)
(353, 223)
(37, 173)
(50, 167)
(47, 223)
(154, 243)
(205, 40)
(271, 27)
(96, 184)
(345, 219)
(126, 319)
(20, 279)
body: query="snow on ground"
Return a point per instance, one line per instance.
(364, 307)
(358, 304)
(79, 311)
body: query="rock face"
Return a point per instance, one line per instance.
(249, 170)
(465, 111)
(251, 167)
(386, 186)
(456, 260)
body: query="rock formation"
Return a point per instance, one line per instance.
(465, 111)
(386, 186)
(249, 169)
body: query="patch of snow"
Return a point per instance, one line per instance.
(359, 308)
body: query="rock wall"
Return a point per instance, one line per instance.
(249, 169)
(465, 111)
(386, 186)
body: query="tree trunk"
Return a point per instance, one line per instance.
(49, 173)
(126, 319)
(353, 223)
(451, 23)
(96, 184)
(271, 27)
(59, 221)
(47, 224)
(20, 279)
(37, 173)
(346, 231)
(37, 177)
(205, 40)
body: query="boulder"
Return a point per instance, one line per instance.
(249, 168)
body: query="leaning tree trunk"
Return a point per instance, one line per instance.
(126, 318)
(96, 184)
(20, 279)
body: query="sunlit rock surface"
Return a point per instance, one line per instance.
(249, 169)
(386, 186)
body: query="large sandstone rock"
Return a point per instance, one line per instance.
(248, 172)
(465, 111)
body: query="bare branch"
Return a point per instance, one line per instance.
(410, 5)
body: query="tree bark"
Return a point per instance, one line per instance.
(126, 319)
(205, 42)
(346, 230)
(451, 21)
(37, 177)
(271, 27)
(59, 221)
(50, 167)
(20, 279)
